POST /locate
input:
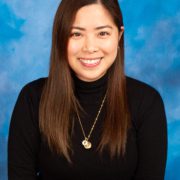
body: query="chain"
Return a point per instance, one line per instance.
(89, 135)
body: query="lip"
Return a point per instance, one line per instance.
(83, 58)
(90, 65)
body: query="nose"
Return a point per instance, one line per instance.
(90, 45)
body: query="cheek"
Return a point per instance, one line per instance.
(73, 48)
(110, 47)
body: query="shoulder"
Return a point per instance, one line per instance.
(36, 84)
(144, 99)
(31, 92)
(25, 112)
(140, 89)
(34, 87)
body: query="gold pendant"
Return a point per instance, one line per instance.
(86, 144)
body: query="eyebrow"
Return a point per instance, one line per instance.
(97, 28)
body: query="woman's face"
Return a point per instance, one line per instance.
(93, 43)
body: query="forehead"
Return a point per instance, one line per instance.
(93, 15)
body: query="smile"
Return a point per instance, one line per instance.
(90, 62)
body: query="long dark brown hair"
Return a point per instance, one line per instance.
(58, 102)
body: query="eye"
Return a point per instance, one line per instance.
(104, 33)
(75, 34)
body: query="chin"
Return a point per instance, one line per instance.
(91, 78)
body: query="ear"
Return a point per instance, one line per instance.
(121, 32)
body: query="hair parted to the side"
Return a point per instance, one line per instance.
(58, 102)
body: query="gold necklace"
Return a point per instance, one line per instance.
(86, 143)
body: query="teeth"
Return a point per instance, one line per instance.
(92, 61)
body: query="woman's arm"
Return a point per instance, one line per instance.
(24, 139)
(151, 138)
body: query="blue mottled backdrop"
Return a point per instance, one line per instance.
(152, 38)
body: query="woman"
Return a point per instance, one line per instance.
(87, 120)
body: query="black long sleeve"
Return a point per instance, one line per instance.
(146, 152)
(24, 138)
(151, 129)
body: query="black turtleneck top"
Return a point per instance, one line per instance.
(30, 158)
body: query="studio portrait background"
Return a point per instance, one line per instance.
(152, 54)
